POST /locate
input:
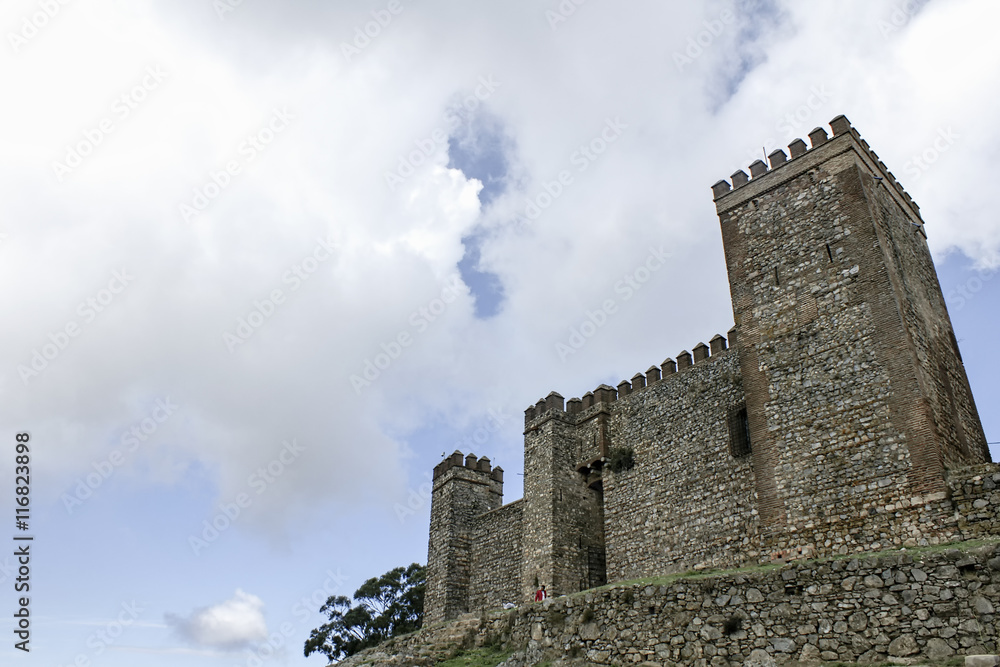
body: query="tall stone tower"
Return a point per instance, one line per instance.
(857, 399)
(462, 491)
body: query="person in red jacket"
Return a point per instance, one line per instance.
(541, 594)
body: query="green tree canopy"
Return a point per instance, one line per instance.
(387, 606)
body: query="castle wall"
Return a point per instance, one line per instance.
(687, 502)
(497, 552)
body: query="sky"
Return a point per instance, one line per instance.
(262, 264)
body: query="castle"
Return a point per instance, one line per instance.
(828, 422)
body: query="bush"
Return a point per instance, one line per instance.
(620, 459)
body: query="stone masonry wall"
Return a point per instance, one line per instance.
(846, 457)
(496, 554)
(870, 609)
(975, 491)
(687, 502)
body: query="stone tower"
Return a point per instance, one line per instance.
(563, 538)
(856, 395)
(463, 490)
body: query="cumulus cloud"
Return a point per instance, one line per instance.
(230, 625)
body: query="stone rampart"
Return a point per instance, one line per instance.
(688, 501)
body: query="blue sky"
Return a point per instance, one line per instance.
(275, 266)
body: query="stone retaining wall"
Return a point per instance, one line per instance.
(872, 609)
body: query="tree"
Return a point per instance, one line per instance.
(388, 606)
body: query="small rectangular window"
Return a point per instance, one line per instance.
(739, 431)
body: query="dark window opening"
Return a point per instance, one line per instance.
(829, 252)
(777, 281)
(739, 432)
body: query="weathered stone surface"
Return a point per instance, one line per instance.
(938, 649)
(809, 653)
(589, 631)
(982, 660)
(783, 644)
(903, 646)
(982, 605)
(759, 658)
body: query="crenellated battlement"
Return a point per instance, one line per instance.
(469, 462)
(841, 128)
(654, 374)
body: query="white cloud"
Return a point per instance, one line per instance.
(230, 625)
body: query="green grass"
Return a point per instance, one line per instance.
(481, 657)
